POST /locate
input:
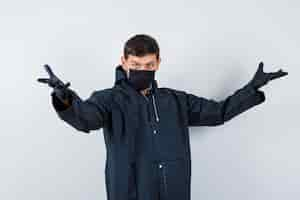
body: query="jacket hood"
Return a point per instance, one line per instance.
(120, 75)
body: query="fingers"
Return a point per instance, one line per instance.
(48, 70)
(279, 73)
(261, 67)
(67, 84)
(43, 80)
(282, 72)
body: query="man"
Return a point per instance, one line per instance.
(145, 126)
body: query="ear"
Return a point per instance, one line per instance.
(124, 66)
(159, 61)
(123, 61)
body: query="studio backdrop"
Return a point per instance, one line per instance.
(208, 48)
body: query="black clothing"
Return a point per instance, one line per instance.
(147, 137)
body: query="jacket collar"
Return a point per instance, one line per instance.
(120, 76)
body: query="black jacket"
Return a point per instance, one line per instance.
(163, 117)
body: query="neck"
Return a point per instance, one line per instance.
(145, 91)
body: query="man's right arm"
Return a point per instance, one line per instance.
(84, 115)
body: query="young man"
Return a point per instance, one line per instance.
(145, 126)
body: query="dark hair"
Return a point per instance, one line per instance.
(140, 45)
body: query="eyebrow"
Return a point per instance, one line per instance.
(146, 63)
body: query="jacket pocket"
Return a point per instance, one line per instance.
(174, 179)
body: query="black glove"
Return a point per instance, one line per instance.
(261, 78)
(59, 88)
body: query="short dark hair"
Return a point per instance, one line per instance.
(140, 45)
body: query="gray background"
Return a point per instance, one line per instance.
(209, 48)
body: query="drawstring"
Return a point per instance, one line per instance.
(155, 109)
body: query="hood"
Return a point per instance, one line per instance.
(120, 75)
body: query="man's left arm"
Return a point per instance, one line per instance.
(209, 112)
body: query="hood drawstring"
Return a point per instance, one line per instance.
(153, 102)
(155, 109)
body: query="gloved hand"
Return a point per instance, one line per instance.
(261, 78)
(59, 88)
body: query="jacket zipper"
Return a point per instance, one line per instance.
(154, 105)
(164, 178)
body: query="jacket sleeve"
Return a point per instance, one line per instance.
(209, 112)
(84, 115)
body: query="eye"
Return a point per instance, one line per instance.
(150, 65)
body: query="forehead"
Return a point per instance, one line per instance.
(144, 59)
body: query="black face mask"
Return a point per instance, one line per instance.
(141, 79)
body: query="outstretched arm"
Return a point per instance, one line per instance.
(209, 112)
(84, 115)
